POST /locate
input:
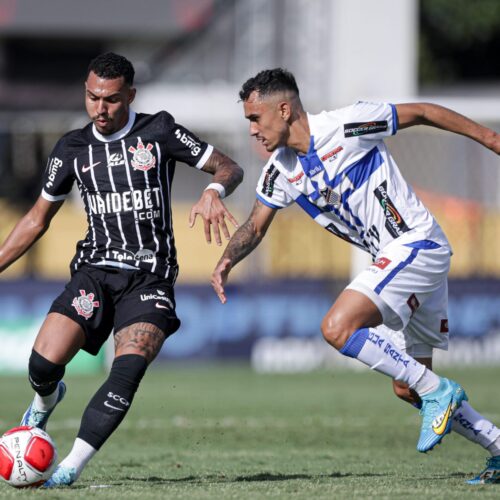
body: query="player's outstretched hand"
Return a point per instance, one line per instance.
(214, 213)
(219, 278)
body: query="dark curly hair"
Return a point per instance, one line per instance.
(268, 82)
(110, 66)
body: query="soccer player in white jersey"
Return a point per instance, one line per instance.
(336, 167)
(124, 270)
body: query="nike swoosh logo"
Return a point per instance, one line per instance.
(442, 426)
(111, 406)
(161, 306)
(86, 169)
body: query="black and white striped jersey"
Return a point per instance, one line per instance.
(125, 182)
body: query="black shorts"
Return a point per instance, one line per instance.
(101, 299)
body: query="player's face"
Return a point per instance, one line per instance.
(268, 122)
(108, 102)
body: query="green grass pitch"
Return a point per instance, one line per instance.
(225, 432)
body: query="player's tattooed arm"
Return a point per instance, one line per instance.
(243, 241)
(250, 234)
(225, 171)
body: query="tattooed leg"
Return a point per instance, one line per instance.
(143, 339)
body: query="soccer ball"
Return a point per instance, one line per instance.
(28, 456)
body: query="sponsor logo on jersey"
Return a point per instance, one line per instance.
(394, 223)
(316, 170)
(85, 304)
(269, 180)
(296, 178)
(413, 303)
(382, 262)
(146, 202)
(330, 196)
(54, 165)
(115, 160)
(332, 155)
(143, 255)
(86, 168)
(360, 128)
(142, 158)
(189, 142)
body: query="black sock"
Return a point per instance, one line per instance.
(112, 401)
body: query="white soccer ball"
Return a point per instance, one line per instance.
(28, 456)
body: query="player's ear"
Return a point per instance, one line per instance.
(131, 95)
(285, 110)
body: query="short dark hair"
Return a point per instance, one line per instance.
(268, 82)
(110, 66)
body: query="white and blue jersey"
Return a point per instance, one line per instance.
(348, 182)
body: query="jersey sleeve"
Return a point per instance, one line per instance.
(58, 177)
(185, 146)
(370, 120)
(273, 189)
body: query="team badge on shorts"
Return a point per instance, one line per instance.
(143, 159)
(85, 304)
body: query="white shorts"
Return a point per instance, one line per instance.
(408, 283)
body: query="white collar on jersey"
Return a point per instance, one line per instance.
(117, 135)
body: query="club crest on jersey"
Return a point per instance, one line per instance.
(330, 196)
(85, 304)
(143, 159)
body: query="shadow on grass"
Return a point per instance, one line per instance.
(263, 476)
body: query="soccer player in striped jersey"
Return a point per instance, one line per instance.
(124, 270)
(336, 167)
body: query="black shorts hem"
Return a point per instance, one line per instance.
(167, 325)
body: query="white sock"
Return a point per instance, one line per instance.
(79, 456)
(46, 403)
(473, 426)
(374, 350)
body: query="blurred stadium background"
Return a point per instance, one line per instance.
(191, 57)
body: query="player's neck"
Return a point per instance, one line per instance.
(300, 134)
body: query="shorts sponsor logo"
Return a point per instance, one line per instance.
(382, 262)
(444, 326)
(332, 155)
(188, 141)
(360, 128)
(142, 158)
(394, 222)
(162, 302)
(54, 165)
(85, 304)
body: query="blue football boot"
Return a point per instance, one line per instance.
(437, 409)
(62, 476)
(37, 418)
(490, 475)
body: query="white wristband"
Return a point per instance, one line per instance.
(218, 187)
